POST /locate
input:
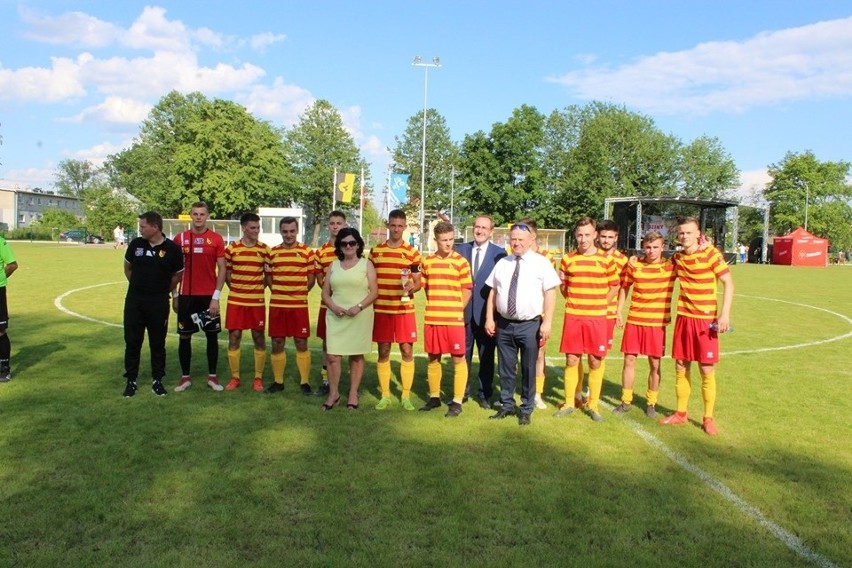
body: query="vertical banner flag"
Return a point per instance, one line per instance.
(399, 187)
(344, 187)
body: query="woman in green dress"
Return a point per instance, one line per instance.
(348, 292)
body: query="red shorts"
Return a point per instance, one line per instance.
(321, 323)
(289, 322)
(610, 332)
(643, 340)
(442, 339)
(395, 328)
(584, 335)
(245, 317)
(693, 340)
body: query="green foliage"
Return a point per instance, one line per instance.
(32, 233)
(800, 183)
(106, 208)
(194, 149)
(74, 177)
(441, 155)
(316, 146)
(561, 167)
(57, 219)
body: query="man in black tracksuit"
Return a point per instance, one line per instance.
(153, 265)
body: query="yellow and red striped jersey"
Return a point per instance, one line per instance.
(290, 269)
(247, 267)
(651, 300)
(389, 263)
(324, 256)
(549, 256)
(620, 261)
(586, 280)
(444, 280)
(697, 274)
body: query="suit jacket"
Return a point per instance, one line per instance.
(475, 309)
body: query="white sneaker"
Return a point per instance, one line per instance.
(539, 403)
(185, 383)
(213, 383)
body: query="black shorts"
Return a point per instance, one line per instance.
(188, 305)
(4, 310)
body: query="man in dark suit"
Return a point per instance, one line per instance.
(482, 256)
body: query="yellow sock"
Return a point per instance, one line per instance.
(383, 370)
(433, 378)
(682, 390)
(279, 361)
(234, 362)
(595, 385)
(627, 396)
(571, 376)
(459, 381)
(708, 393)
(539, 385)
(303, 363)
(406, 375)
(324, 375)
(578, 390)
(259, 362)
(651, 396)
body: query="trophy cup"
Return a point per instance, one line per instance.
(403, 279)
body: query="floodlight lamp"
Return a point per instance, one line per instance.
(436, 61)
(417, 60)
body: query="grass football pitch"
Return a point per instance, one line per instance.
(200, 478)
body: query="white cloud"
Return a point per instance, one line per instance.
(74, 28)
(59, 82)
(260, 42)
(114, 110)
(29, 178)
(98, 153)
(808, 62)
(374, 147)
(279, 103)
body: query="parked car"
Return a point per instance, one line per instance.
(80, 236)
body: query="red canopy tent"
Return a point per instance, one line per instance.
(800, 248)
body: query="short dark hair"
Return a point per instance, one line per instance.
(583, 221)
(442, 228)
(152, 218)
(199, 205)
(248, 218)
(337, 213)
(347, 232)
(287, 221)
(607, 225)
(397, 214)
(684, 220)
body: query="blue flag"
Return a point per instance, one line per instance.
(399, 187)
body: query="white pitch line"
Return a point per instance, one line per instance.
(58, 303)
(790, 540)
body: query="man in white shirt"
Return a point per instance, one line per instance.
(519, 313)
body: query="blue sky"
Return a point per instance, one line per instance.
(765, 77)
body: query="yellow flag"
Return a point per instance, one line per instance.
(345, 187)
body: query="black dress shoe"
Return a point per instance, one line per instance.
(524, 420)
(501, 414)
(483, 403)
(454, 410)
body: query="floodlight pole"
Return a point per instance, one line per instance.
(418, 62)
(807, 199)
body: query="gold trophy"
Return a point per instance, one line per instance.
(403, 279)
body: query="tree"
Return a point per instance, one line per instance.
(804, 191)
(191, 148)
(316, 146)
(706, 169)
(501, 173)
(55, 220)
(441, 156)
(73, 177)
(105, 208)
